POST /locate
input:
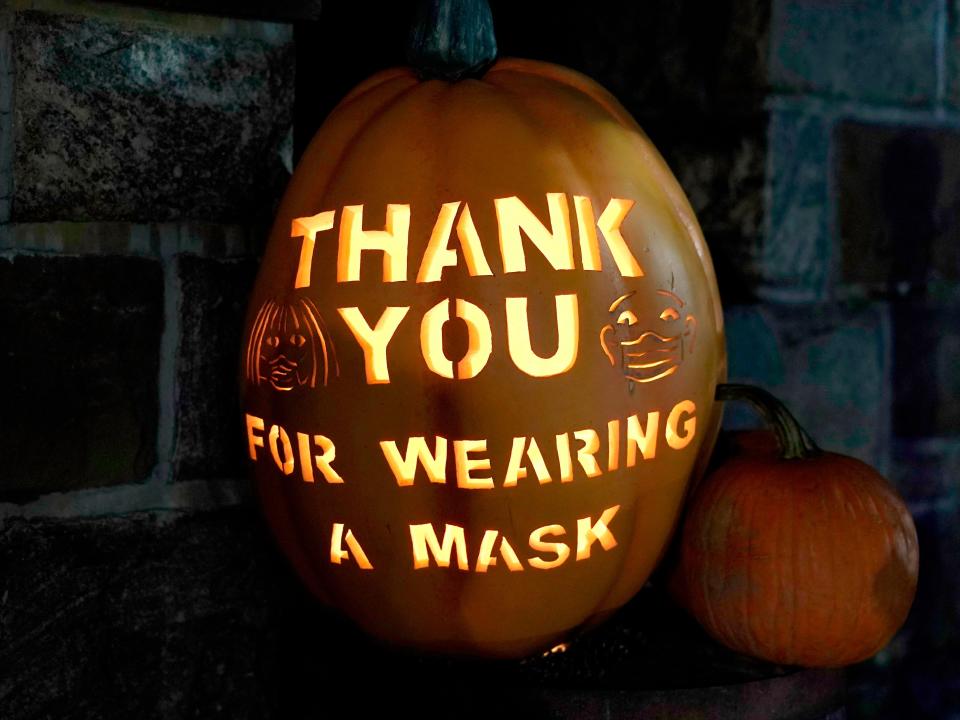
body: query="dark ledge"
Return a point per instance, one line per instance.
(650, 660)
(198, 615)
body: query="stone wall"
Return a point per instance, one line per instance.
(142, 153)
(862, 239)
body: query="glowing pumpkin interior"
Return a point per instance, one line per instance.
(480, 359)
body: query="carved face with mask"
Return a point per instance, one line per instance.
(289, 347)
(650, 344)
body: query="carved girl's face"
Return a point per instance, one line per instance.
(288, 347)
(649, 348)
(286, 355)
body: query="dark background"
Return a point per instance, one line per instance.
(142, 153)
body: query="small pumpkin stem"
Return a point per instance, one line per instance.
(794, 441)
(452, 39)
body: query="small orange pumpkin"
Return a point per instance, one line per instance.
(800, 558)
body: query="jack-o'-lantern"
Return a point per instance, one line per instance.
(485, 371)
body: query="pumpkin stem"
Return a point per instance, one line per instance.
(452, 39)
(794, 441)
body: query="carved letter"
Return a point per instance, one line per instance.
(609, 224)
(555, 244)
(253, 440)
(405, 468)
(439, 254)
(537, 543)
(392, 241)
(644, 439)
(674, 439)
(308, 227)
(485, 559)
(338, 554)
(518, 337)
(480, 339)
(587, 534)
(285, 463)
(461, 450)
(373, 341)
(425, 543)
(585, 454)
(515, 468)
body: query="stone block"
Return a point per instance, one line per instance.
(6, 117)
(754, 351)
(925, 471)
(883, 52)
(797, 260)
(209, 437)
(926, 365)
(952, 53)
(922, 684)
(899, 213)
(121, 116)
(828, 363)
(135, 617)
(656, 57)
(80, 364)
(155, 240)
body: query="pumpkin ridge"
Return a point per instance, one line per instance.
(797, 580)
(654, 160)
(361, 128)
(764, 605)
(831, 630)
(569, 79)
(531, 111)
(886, 557)
(530, 120)
(531, 117)
(863, 607)
(707, 598)
(752, 599)
(891, 525)
(375, 81)
(724, 587)
(543, 122)
(614, 587)
(655, 163)
(297, 520)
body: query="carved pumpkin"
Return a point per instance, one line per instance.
(528, 335)
(799, 557)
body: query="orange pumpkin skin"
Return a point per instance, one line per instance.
(524, 129)
(808, 562)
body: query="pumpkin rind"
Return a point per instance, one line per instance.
(525, 129)
(808, 562)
